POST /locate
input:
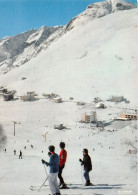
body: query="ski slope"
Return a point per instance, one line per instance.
(114, 169)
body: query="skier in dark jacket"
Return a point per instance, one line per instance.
(86, 162)
(20, 155)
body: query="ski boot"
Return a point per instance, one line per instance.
(64, 186)
(60, 184)
(88, 183)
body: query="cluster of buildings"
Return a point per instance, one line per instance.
(29, 96)
(118, 99)
(54, 97)
(80, 103)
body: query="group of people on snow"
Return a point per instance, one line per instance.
(14, 151)
(57, 164)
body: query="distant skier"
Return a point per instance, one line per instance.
(54, 169)
(20, 155)
(14, 152)
(86, 162)
(62, 158)
(5, 150)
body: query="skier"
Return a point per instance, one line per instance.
(86, 162)
(62, 158)
(14, 152)
(20, 155)
(54, 169)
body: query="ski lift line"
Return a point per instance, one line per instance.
(21, 123)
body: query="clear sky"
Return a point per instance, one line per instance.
(17, 16)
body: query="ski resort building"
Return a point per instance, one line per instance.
(100, 105)
(128, 116)
(89, 117)
(80, 103)
(57, 100)
(50, 95)
(97, 99)
(116, 99)
(8, 97)
(30, 96)
(3, 90)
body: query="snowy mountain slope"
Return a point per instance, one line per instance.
(17, 50)
(98, 59)
(98, 10)
(12, 46)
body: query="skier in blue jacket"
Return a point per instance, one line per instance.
(54, 169)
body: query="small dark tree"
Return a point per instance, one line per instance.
(3, 137)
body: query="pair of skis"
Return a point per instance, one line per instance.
(36, 188)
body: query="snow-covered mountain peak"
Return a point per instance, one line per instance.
(17, 50)
(98, 10)
(43, 33)
(118, 5)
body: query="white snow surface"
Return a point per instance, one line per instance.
(114, 169)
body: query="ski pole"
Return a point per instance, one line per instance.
(45, 179)
(43, 184)
(82, 176)
(45, 170)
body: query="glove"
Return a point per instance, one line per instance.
(43, 161)
(80, 160)
(47, 164)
